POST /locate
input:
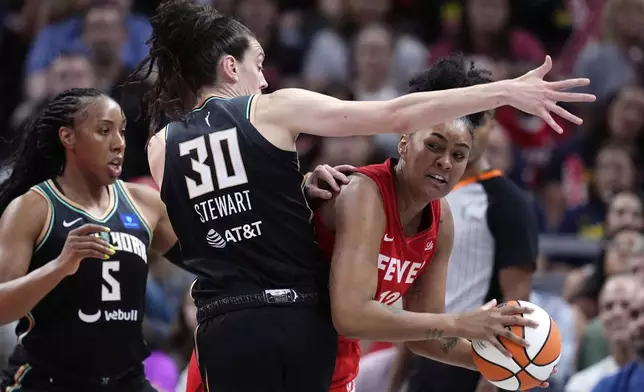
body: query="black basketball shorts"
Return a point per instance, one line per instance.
(268, 349)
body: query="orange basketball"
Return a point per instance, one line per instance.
(529, 366)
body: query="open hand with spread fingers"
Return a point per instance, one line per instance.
(533, 95)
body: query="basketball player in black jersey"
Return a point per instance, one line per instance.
(73, 252)
(229, 176)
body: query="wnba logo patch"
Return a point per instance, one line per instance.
(215, 240)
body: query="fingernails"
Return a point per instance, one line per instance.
(107, 257)
(111, 251)
(107, 229)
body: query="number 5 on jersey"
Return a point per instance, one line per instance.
(224, 178)
(111, 288)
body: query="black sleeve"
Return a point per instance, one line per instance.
(513, 225)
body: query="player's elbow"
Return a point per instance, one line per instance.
(346, 320)
(395, 117)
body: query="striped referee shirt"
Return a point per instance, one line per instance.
(493, 229)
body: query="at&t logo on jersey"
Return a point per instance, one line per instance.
(236, 234)
(215, 240)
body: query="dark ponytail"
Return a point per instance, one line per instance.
(186, 45)
(40, 154)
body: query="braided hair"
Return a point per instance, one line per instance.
(41, 155)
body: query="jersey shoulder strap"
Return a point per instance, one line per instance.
(243, 104)
(41, 189)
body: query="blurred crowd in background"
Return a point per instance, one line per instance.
(584, 185)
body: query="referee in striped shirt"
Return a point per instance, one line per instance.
(494, 256)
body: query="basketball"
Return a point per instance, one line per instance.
(529, 366)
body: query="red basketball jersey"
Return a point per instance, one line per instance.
(400, 261)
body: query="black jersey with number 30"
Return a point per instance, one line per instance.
(89, 325)
(235, 202)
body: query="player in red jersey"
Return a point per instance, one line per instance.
(388, 230)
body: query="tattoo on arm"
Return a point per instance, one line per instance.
(435, 333)
(448, 343)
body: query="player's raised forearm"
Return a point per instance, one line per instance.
(19, 296)
(426, 109)
(375, 321)
(307, 112)
(452, 351)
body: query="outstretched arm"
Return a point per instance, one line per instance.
(301, 111)
(428, 295)
(359, 228)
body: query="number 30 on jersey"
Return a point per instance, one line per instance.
(237, 176)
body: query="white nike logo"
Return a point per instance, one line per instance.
(388, 239)
(207, 116)
(68, 224)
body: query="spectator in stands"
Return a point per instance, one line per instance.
(616, 60)
(67, 35)
(67, 71)
(622, 252)
(566, 178)
(283, 56)
(329, 55)
(104, 34)
(615, 170)
(373, 50)
(487, 30)
(625, 210)
(614, 302)
(575, 291)
(630, 378)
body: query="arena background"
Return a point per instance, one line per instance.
(367, 50)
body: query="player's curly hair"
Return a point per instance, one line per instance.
(186, 44)
(448, 73)
(40, 155)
